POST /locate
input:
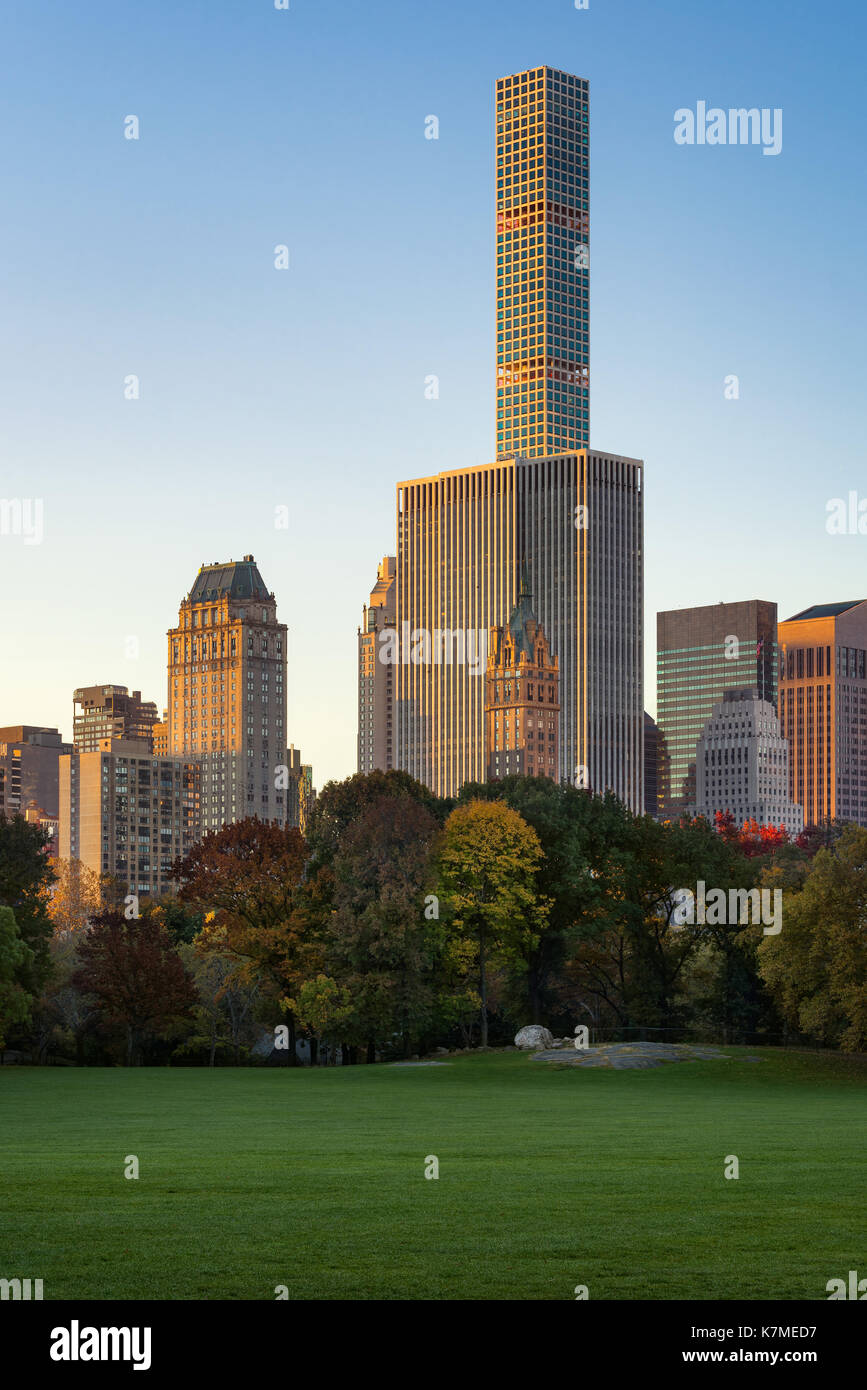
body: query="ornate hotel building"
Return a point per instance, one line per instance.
(523, 697)
(227, 693)
(823, 709)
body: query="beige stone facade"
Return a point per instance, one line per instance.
(376, 678)
(227, 693)
(127, 813)
(522, 698)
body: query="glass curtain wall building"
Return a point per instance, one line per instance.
(700, 654)
(543, 264)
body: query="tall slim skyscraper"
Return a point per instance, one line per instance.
(543, 260)
(572, 514)
(700, 654)
(823, 709)
(576, 521)
(227, 693)
(375, 677)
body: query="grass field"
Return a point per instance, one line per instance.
(549, 1178)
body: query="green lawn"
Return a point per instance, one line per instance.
(549, 1178)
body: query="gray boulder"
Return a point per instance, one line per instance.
(533, 1037)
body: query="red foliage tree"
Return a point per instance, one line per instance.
(137, 978)
(249, 880)
(751, 839)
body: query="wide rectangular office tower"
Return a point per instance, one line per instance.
(576, 521)
(543, 263)
(700, 654)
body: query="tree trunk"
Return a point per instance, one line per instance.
(293, 1055)
(483, 989)
(371, 1052)
(534, 993)
(314, 1050)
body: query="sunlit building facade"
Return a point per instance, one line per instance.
(227, 693)
(823, 709)
(522, 700)
(29, 763)
(376, 677)
(109, 711)
(128, 814)
(543, 263)
(576, 522)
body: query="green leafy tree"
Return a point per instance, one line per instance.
(382, 937)
(634, 960)
(15, 1001)
(224, 1014)
(340, 804)
(579, 833)
(181, 922)
(26, 877)
(326, 1009)
(816, 967)
(66, 1016)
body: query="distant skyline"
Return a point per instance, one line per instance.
(305, 388)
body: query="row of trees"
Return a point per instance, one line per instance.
(403, 921)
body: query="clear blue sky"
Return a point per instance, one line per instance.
(262, 388)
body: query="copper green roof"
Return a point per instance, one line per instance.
(235, 579)
(522, 614)
(826, 610)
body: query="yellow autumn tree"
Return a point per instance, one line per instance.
(77, 895)
(488, 860)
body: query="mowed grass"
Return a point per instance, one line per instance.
(549, 1177)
